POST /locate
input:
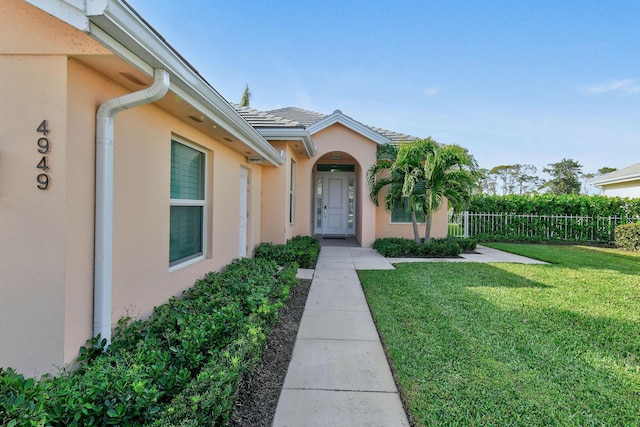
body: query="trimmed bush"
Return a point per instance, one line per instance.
(21, 400)
(628, 236)
(303, 250)
(395, 247)
(181, 366)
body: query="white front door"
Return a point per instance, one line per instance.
(335, 204)
(244, 207)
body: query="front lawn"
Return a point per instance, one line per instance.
(514, 344)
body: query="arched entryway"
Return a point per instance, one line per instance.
(336, 195)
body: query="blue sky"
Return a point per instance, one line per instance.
(512, 81)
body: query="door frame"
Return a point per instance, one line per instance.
(350, 217)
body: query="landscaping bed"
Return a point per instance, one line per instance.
(259, 391)
(184, 365)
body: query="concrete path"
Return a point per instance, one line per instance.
(339, 374)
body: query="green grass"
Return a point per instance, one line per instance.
(514, 344)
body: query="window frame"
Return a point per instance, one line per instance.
(418, 214)
(201, 203)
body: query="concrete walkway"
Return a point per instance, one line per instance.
(339, 374)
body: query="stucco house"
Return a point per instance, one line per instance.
(125, 176)
(623, 182)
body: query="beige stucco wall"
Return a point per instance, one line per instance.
(385, 228)
(47, 237)
(142, 160)
(274, 200)
(623, 189)
(32, 222)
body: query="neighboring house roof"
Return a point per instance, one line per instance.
(270, 123)
(630, 173)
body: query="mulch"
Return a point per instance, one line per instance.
(260, 390)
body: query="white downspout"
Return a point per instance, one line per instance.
(104, 195)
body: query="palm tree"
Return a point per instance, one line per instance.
(449, 173)
(246, 96)
(385, 173)
(425, 173)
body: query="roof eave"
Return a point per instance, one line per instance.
(618, 180)
(116, 26)
(349, 123)
(289, 134)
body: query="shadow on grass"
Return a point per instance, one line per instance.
(577, 257)
(464, 349)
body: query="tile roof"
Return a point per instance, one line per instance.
(264, 119)
(306, 117)
(294, 117)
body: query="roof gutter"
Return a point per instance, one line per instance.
(599, 182)
(105, 117)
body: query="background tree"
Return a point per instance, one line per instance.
(566, 177)
(526, 180)
(246, 96)
(517, 179)
(504, 175)
(589, 176)
(485, 182)
(605, 170)
(586, 177)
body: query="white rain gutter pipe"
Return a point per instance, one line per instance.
(104, 196)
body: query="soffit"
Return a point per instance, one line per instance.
(124, 74)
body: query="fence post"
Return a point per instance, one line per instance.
(465, 221)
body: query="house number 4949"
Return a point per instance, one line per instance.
(44, 147)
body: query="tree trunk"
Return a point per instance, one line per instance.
(427, 228)
(414, 222)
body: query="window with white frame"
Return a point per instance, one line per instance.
(188, 204)
(401, 212)
(292, 191)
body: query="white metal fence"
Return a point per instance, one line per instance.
(543, 227)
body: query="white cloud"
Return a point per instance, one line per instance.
(627, 86)
(430, 91)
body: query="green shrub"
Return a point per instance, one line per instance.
(303, 250)
(628, 236)
(394, 247)
(467, 244)
(209, 336)
(21, 400)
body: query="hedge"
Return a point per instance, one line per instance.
(395, 247)
(182, 366)
(303, 250)
(628, 236)
(548, 204)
